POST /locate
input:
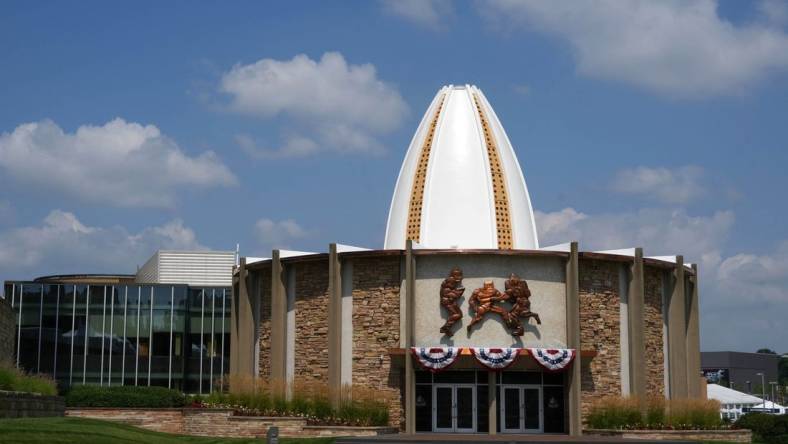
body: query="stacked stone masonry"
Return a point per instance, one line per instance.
(264, 329)
(218, 422)
(600, 330)
(311, 323)
(376, 322)
(30, 405)
(7, 327)
(653, 326)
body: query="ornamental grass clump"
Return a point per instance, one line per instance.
(655, 413)
(15, 380)
(311, 401)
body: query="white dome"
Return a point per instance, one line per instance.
(460, 185)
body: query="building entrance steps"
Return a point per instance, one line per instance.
(440, 438)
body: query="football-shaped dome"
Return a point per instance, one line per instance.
(460, 185)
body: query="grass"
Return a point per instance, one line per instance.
(94, 431)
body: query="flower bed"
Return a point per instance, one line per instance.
(310, 402)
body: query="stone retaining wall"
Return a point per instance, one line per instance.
(742, 436)
(30, 405)
(219, 422)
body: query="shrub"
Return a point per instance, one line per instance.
(771, 429)
(15, 380)
(124, 396)
(614, 413)
(251, 396)
(625, 413)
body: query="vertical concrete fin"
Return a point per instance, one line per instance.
(410, 376)
(677, 333)
(334, 326)
(693, 336)
(637, 352)
(573, 338)
(278, 324)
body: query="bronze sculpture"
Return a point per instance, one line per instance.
(518, 294)
(451, 291)
(483, 301)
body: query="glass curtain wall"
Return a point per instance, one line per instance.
(164, 335)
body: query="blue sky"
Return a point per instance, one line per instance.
(189, 125)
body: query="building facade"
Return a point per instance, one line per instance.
(463, 322)
(741, 371)
(159, 328)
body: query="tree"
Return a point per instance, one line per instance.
(768, 351)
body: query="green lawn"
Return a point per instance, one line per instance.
(90, 431)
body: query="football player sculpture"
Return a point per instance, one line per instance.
(518, 294)
(451, 291)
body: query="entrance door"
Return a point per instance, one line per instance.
(521, 409)
(454, 408)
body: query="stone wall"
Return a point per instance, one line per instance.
(742, 436)
(376, 329)
(600, 330)
(30, 405)
(653, 326)
(311, 323)
(159, 420)
(264, 329)
(218, 422)
(7, 330)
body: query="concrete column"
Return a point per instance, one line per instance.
(410, 376)
(334, 326)
(693, 337)
(677, 333)
(278, 325)
(637, 340)
(492, 396)
(573, 339)
(242, 327)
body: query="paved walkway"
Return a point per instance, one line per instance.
(442, 438)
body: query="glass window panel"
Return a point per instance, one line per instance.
(96, 328)
(482, 409)
(65, 334)
(456, 376)
(79, 332)
(522, 377)
(423, 408)
(132, 328)
(49, 328)
(553, 399)
(29, 326)
(553, 378)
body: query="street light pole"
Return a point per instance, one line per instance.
(763, 388)
(772, 383)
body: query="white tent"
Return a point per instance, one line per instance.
(770, 405)
(732, 401)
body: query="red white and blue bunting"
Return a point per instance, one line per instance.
(495, 358)
(436, 359)
(553, 359)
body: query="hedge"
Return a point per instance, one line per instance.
(772, 429)
(124, 396)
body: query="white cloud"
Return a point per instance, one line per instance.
(744, 297)
(278, 234)
(659, 231)
(120, 163)
(678, 48)
(427, 13)
(678, 186)
(342, 107)
(774, 11)
(63, 244)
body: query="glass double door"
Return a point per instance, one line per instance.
(454, 408)
(521, 409)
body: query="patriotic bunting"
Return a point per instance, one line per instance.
(436, 359)
(553, 359)
(495, 358)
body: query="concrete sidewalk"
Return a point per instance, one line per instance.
(442, 438)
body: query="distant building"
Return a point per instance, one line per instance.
(168, 325)
(739, 371)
